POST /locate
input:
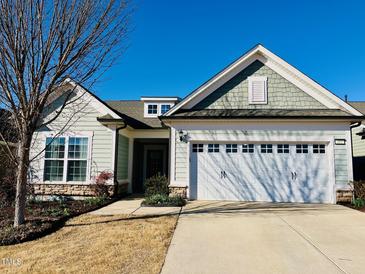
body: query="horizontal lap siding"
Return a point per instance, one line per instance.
(123, 150)
(358, 142)
(181, 160)
(85, 121)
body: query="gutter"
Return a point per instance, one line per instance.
(221, 117)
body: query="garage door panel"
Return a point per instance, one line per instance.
(262, 175)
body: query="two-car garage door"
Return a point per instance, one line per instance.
(287, 172)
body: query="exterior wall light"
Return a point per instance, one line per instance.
(184, 137)
(340, 141)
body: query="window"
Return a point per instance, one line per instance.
(248, 148)
(198, 147)
(231, 148)
(257, 90)
(283, 148)
(213, 148)
(54, 159)
(165, 108)
(77, 159)
(66, 154)
(152, 109)
(319, 149)
(302, 148)
(266, 148)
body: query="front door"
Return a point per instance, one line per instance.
(154, 162)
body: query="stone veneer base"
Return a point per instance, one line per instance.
(178, 191)
(67, 189)
(343, 196)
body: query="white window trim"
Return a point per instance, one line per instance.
(89, 136)
(256, 78)
(159, 104)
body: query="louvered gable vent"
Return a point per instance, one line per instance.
(257, 90)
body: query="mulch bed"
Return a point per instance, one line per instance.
(43, 218)
(362, 209)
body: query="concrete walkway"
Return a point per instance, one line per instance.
(232, 237)
(132, 206)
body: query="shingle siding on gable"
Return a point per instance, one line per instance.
(281, 93)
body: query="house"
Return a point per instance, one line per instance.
(358, 144)
(259, 130)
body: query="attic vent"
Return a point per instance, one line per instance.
(257, 90)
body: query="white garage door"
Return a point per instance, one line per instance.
(260, 172)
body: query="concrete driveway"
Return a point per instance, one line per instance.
(232, 237)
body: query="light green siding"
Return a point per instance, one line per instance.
(122, 164)
(282, 94)
(340, 151)
(78, 119)
(358, 143)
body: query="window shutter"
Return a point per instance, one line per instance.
(257, 90)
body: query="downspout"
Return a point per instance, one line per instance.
(116, 184)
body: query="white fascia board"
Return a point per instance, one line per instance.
(160, 99)
(293, 75)
(260, 125)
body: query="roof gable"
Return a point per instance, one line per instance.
(291, 74)
(81, 93)
(281, 93)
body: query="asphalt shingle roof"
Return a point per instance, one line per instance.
(133, 113)
(359, 105)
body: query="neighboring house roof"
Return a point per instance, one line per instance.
(133, 113)
(359, 105)
(277, 64)
(262, 113)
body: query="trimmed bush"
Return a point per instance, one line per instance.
(157, 185)
(163, 200)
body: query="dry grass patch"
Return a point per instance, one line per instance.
(96, 244)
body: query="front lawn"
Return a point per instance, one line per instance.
(43, 217)
(95, 244)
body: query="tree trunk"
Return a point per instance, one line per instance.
(21, 182)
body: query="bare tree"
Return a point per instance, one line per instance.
(42, 43)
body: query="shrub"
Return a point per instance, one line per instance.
(157, 185)
(55, 212)
(358, 203)
(163, 200)
(95, 201)
(100, 187)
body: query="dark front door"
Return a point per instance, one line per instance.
(154, 163)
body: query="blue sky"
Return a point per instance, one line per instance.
(175, 46)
